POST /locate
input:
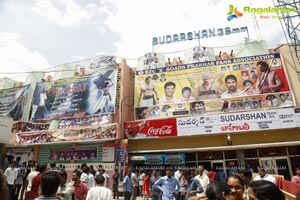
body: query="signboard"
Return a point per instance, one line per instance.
(76, 96)
(154, 159)
(297, 113)
(237, 122)
(213, 84)
(13, 101)
(150, 128)
(108, 152)
(176, 159)
(196, 35)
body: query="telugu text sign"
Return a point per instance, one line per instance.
(237, 122)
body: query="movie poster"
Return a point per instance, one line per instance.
(93, 94)
(13, 101)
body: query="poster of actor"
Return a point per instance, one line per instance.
(38, 108)
(102, 92)
(121, 157)
(271, 78)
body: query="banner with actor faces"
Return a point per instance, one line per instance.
(88, 153)
(106, 132)
(216, 85)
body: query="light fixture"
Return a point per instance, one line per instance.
(229, 141)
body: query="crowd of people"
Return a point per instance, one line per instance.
(31, 181)
(200, 184)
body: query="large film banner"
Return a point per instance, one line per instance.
(13, 101)
(245, 77)
(107, 132)
(75, 97)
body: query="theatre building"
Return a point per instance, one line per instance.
(232, 110)
(70, 116)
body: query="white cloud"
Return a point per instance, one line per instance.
(17, 58)
(116, 27)
(139, 21)
(64, 13)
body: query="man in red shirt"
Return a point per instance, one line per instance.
(212, 175)
(79, 189)
(34, 191)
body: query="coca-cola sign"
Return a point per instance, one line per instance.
(164, 130)
(150, 128)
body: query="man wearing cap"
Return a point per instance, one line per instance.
(168, 185)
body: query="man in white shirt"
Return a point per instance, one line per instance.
(84, 176)
(264, 176)
(11, 174)
(179, 176)
(99, 192)
(284, 101)
(203, 178)
(65, 189)
(91, 182)
(135, 185)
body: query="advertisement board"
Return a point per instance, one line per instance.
(244, 83)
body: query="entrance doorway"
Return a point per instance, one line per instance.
(277, 165)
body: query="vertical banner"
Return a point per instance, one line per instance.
(108, 152)
(121, 157)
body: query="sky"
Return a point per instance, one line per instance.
(40, 34)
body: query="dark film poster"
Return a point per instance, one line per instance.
(13, 101)
(75, 97)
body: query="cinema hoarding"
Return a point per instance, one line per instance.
(252, 82)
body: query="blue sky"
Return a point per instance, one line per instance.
(38, 34)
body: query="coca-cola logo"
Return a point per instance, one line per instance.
(164, 130)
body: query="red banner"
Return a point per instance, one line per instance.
(150, 128)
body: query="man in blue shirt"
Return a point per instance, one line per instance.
(168, 185)
(192, 186)
(127, 184)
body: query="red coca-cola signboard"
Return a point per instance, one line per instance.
(150, 128)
